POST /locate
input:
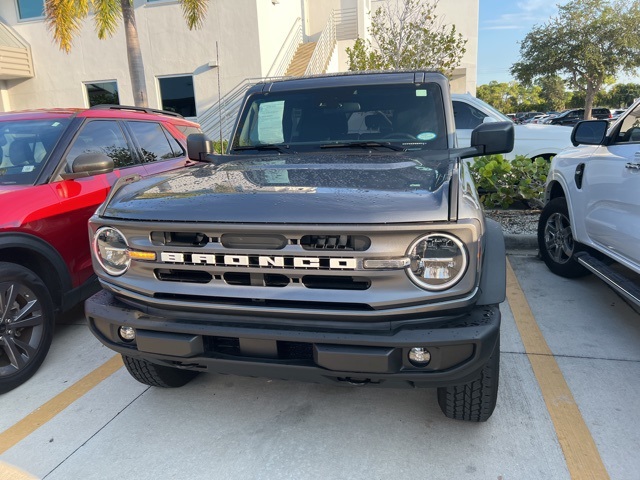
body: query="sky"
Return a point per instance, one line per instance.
(505, 23)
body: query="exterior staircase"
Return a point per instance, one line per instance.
(301, 59)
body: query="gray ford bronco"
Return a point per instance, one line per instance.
(339, 240)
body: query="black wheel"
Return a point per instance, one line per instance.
(157, 375)
(26, 324)
(555, 240)
(476, 400)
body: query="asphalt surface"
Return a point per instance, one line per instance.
(60, 425)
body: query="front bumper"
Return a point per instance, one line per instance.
(459, 344)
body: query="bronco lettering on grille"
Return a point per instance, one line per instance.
(259, 261)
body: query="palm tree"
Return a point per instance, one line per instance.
(64, 19)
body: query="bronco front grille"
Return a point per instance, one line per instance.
(301, 267)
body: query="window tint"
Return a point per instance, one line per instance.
(177, 95)
(102, 93)
(103, 136)
(466, 116)
(30, 9)
(152, 141)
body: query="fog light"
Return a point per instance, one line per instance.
(128, 334)
(419, 357)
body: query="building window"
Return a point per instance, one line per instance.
(30, 9)
(177, 95)
(102, 93)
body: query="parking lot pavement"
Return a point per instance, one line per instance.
(234, 427)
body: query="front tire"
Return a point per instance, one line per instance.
(474, 401)
(157, 375)
(555, 240)
(26, 324)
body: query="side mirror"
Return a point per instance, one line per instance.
(589, 132)
(199, 146)
(492, 138)
(87, 164)
(489, 120)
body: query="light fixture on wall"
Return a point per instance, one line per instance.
(275, 2)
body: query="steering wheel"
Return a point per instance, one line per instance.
(400, 135)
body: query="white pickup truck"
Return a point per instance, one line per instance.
(592, 211)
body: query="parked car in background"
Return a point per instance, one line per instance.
(592, 211)
(56, 167)
(615, 114)
(531, 140)
(571, 117)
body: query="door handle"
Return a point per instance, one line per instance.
(633, 166)
(577, 176)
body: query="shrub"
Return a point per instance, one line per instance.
(501, 183)
(219, 147)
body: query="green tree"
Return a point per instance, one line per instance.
(65, 17)
(552, 92)
(587, 43)
(407, 34)
(623, 94)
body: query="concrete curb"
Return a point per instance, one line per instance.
(520, 242)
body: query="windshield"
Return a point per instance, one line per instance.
(410, 116)
(26, 146)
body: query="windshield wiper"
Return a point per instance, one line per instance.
(281, 148)
(364, 145)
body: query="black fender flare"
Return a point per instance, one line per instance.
(493, 276)
(31, 243)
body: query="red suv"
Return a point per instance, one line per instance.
(56, 167)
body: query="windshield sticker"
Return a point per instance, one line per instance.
(28, 168)
(421, 92)
(426, 136)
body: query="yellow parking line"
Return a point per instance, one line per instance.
(580, 451)
(57, 404)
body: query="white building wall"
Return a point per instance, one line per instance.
(249, 34)
(464, 14)
(275, 21)
(168, 48)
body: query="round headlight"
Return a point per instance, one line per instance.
(438, 261)
(111, 250)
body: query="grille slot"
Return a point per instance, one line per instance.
(256, 279)
(266, 242)
(325, 282)
(179, 239)
(184, 276)
(356, 243)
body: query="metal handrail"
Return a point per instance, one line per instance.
(218, 120)
(324, 48)
(288, 50)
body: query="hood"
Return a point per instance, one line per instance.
(537, 131)
(316, 188)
